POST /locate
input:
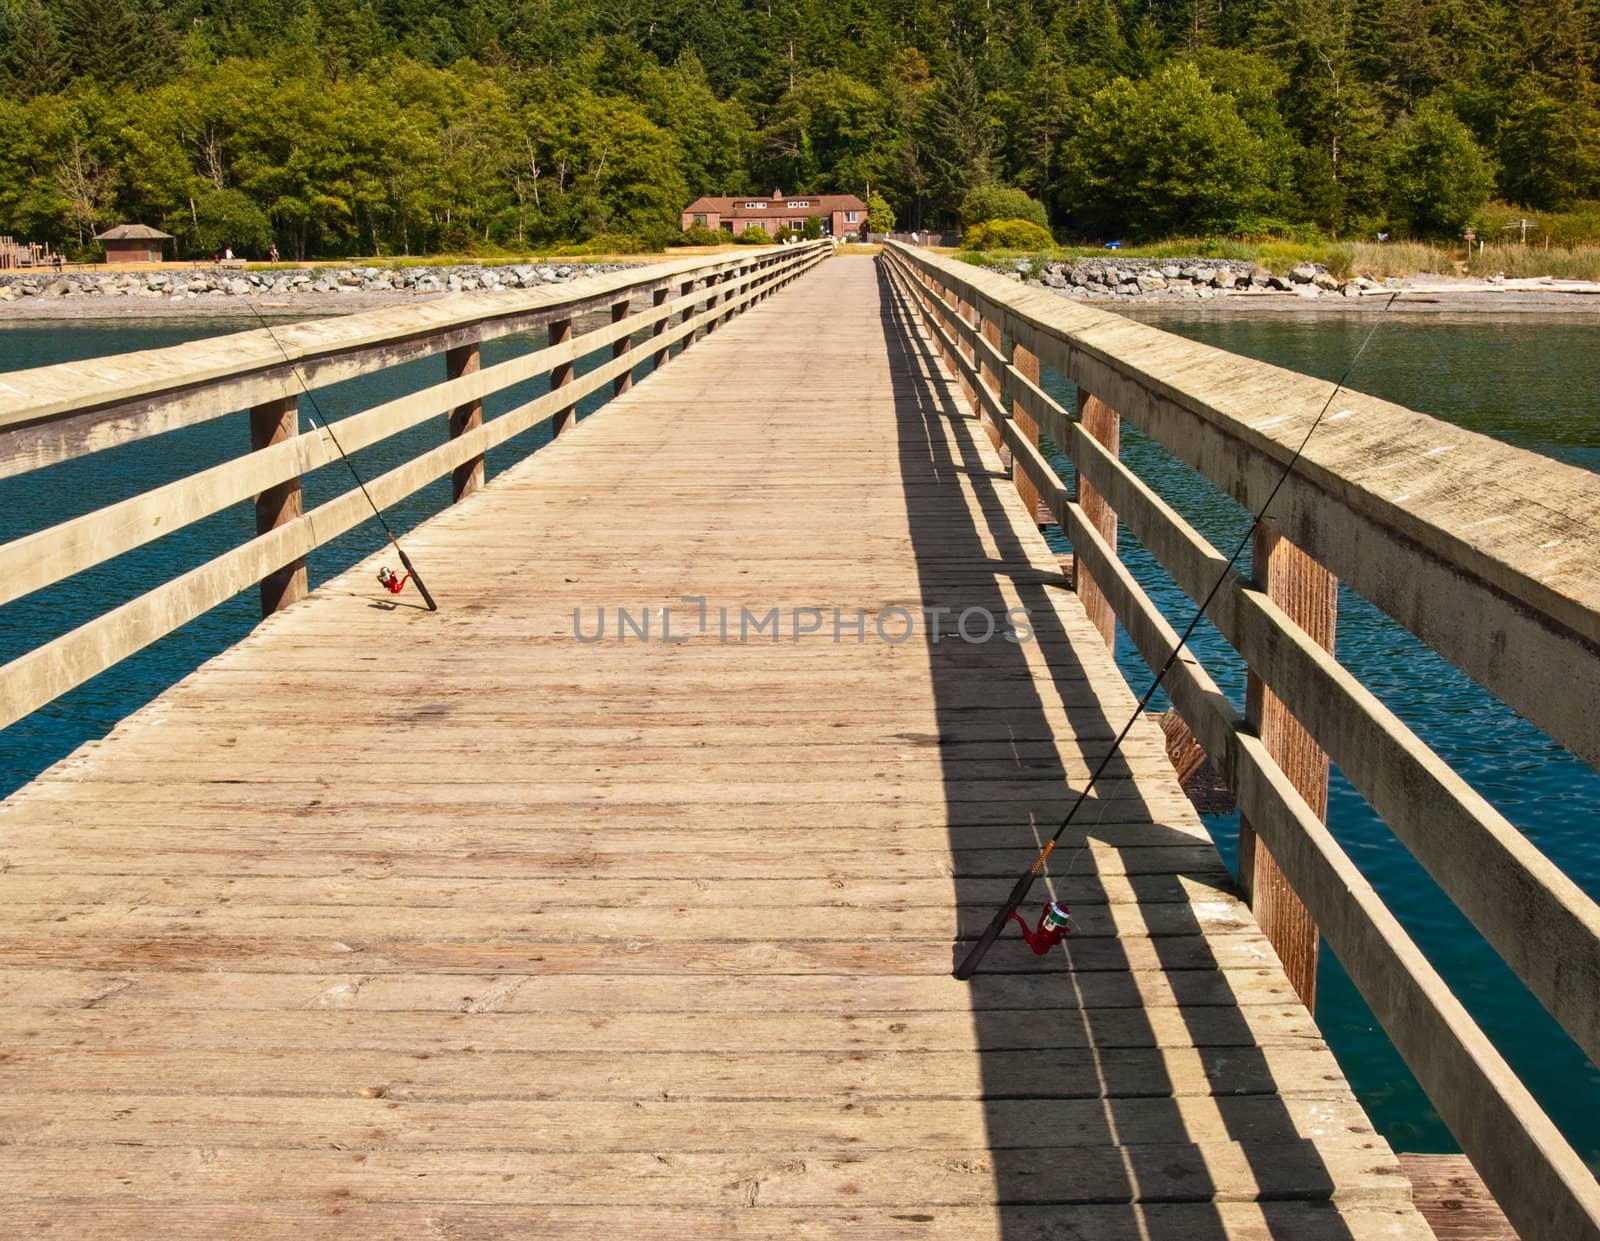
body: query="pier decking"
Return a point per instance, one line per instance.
(389, 924)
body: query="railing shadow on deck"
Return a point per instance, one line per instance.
(1082, 1108)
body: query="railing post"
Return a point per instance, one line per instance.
(561, 376)
(468, 476)
(712, 281)
(659, 358)
(964, 314)
(990, 331)
(1022, 418)
(1309, 594)
(273, 423)
(684, 290)
(1102, 423)
(951, 360)
(621, 348)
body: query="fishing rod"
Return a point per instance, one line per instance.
(1053, 922)
(390, 581)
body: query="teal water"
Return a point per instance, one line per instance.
(1534, 382)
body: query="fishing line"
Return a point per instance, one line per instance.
(393, 584)
(1019, 893)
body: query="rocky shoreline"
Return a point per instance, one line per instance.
(1191, 279)
(210, 284)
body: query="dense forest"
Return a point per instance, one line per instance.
(403, 126)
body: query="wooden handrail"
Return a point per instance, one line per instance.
(1238, 422)
(136, 395)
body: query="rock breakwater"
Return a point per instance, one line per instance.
(220, 282)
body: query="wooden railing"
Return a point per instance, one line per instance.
(1486, 552)
(58, 413)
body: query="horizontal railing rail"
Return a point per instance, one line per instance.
(59, 413)
(1484, 551)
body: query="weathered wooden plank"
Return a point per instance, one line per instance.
(538, 1032)
(342, 1216)
(155, 987)
(1231, 1172)
(195, 945)
(268, 1122)
(827, 1076)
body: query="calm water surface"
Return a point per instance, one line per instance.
(1530, 381)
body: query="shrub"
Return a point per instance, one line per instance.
(699, 235)
(998, 202)
(813, 228)
(610, 243)
(1167, 155)
(1438, 177)
(754, 235)
(880, 216)
(1008, 235)
(786, 234)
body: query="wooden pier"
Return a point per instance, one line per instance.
(389, 923)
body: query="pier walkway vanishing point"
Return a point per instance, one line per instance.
(395, 924)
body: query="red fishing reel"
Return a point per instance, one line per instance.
(392, 581)
(1054, 923)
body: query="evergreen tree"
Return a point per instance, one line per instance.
(33, 59)
(953, 142)
(117, 42)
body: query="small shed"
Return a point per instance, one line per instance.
(133, 243)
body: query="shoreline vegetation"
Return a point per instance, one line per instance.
(1347, 259)
(1172, 274)
(332, 129)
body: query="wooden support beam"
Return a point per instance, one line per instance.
(561, 376)
(1102, 423)
(273, 423)
(620, 348)
(1309, 594)
(659, 358)
(1028, 364)
(468, 476)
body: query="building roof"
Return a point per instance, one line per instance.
(133, 232)
(816, 204)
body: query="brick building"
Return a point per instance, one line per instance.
(840, 213)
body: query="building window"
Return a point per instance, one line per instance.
(850, 217)
(795, 206)
(755, 206)
(700, 221)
